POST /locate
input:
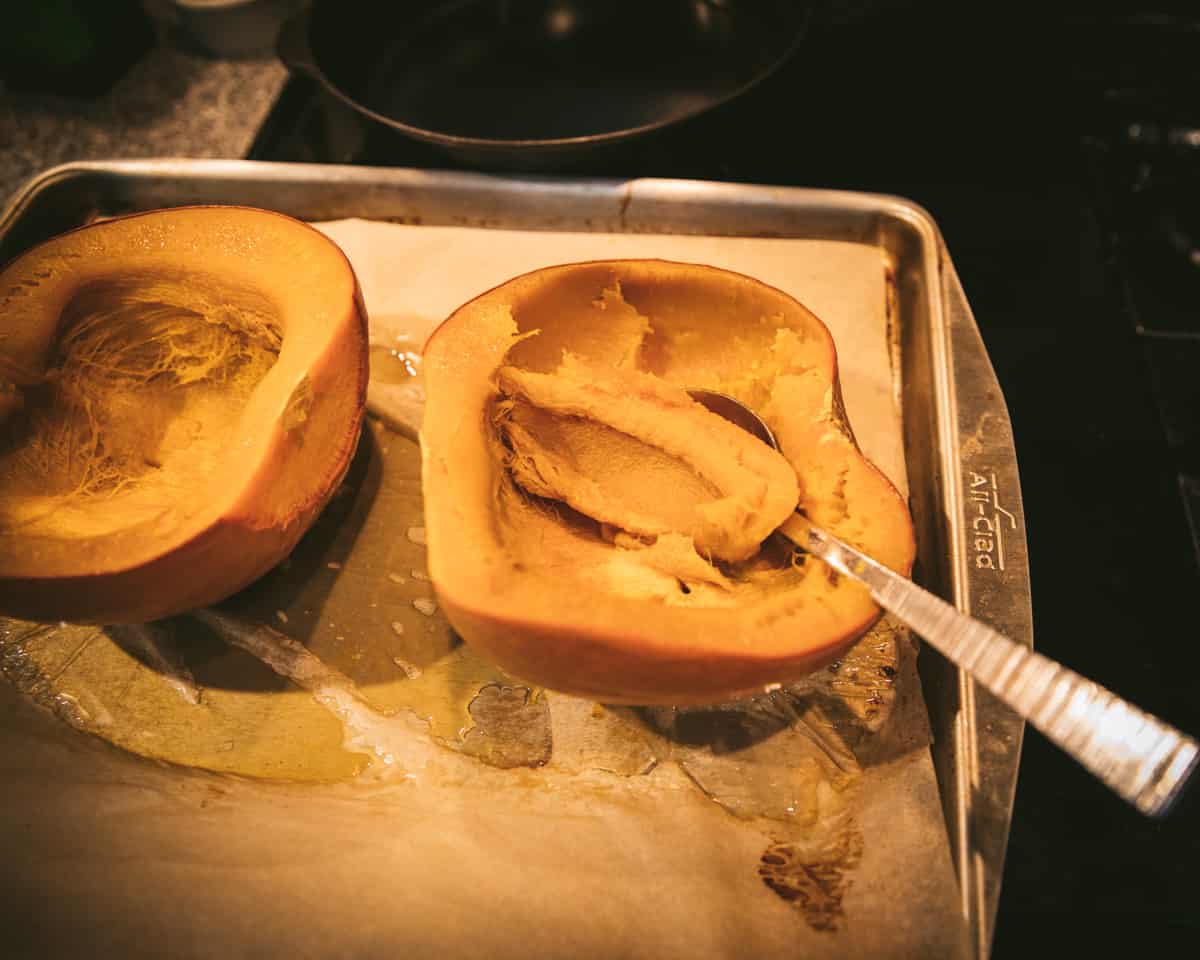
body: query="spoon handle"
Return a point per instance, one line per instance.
(1143, 759)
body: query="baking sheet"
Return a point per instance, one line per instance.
(782, 834)
(949, 393)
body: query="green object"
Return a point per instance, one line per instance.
(72, 46)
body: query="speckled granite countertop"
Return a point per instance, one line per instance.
(171, 103)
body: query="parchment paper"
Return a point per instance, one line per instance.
(410, 285)
(491, 820)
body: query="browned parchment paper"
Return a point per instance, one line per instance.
(465, 815)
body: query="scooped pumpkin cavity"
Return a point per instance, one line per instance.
(677, 499)
(629, 449)
(592, 528)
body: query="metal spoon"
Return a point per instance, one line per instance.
(1141, 758)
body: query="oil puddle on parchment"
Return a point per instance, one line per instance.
(792, 756)
(814, 878)
(338, 666)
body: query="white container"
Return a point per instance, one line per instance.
(231, 29)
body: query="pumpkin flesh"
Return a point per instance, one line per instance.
(188, 388)
(626, 448)
(560, 599)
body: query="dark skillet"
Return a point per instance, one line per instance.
(531, 82)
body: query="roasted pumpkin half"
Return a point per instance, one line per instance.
(181, 391)
(593, 529)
